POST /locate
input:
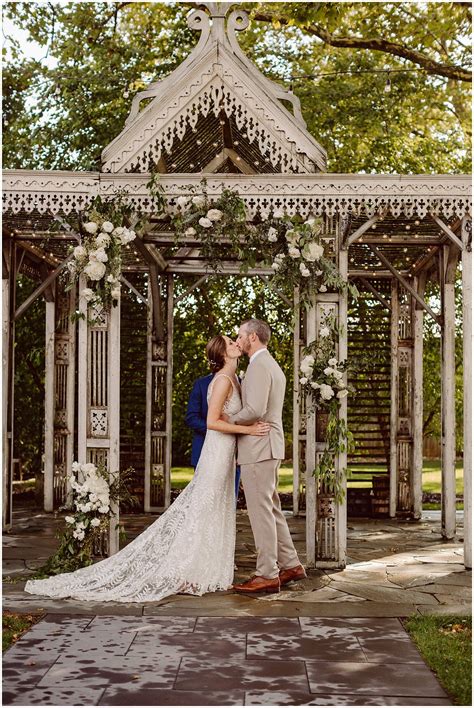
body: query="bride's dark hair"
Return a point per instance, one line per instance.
(216, 350)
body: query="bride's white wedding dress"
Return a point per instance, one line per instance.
(189, 548)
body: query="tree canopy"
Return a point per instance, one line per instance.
(61, 111)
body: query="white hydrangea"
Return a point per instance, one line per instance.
(294, 252)
(95, 522)
(118, 231)
(303, 380)
(314, 384)
(190, 231)
(272, 235)
(95, 270)
(182, 202)
(108, 227)
(324, 331)
(214, 214)
(99, 255)
(87, 294)
(313, 252)
(91, 227)
(80, 252)
(104, 509)
(102, 240)
(198, 201)
(326, 392)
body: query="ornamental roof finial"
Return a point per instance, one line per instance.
(216, 18)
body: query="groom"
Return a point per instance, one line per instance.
(263, 392)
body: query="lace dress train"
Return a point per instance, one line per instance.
(189, 548)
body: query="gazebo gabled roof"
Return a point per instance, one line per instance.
(248, 126)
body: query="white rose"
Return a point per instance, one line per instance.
(89, 468)
(70, 520)
(272, 235)
(214, 214)
(118, 231)
(314, 384)
(326, 392)
(104, 509)
(304, 271)
(115, 293)
(95, 522)
(324, 332)
(95, 270)
(318, 272)
(332, 362)
(308, 360)
(343, 393)
(328, 371)
(340, 383)
(313, 252)
(182, 202)
(91, 227)
(198, 201)
(102, 240)
(294, 252)
(276, 265)
(79, 535)
(291, 236)
(303, 380)
(131, 235)
(87, 294)
(190, 231)
(108, 227)
(280, 257)
(111, 278)
(99, 255)
(310, 221)
(80, 252)
(322, 289)
(206, 223)
(338, 374)
(93, 497)
(278, 214)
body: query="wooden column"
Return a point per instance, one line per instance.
(99, 396)
(394, 398)
(468, 399)
(296, 404)
(417, 402)
(49, 406)
(448, 389)
(310, 456)
(341, 463)
(8, 361)
(159, 388)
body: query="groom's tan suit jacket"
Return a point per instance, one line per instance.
(263, 394)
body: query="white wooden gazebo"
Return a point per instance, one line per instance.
(217, 116)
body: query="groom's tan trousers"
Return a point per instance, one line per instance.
(275, 549)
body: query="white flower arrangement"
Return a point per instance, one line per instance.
(98, 257)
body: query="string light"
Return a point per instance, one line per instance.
(388, 86)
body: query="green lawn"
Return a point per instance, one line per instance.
(14, 625)
(445, 643)
(180, 476)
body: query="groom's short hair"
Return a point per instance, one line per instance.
(260, 328)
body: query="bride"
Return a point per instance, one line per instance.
(190, 547)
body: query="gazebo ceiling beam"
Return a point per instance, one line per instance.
(361, 230)
(445, 228)
(133, 289)
(375, 292)
(190, 289)
(426, 260)
(151, 256)
(42, 257)
(41, 288)
(406, 285)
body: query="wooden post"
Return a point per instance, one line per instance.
(468, 399)
(8, 388)
(49, 406)
(448, 414)
(310, 460)
(71, 393)
(341, 468)
(114, 417)
(394, 398)
(82, 377)
(148, 403)
(169, 387)
(416, 479)
(296, 405)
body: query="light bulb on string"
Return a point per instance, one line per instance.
(388, 85)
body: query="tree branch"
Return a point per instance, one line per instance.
(378, 44)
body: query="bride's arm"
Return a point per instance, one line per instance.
(220, 392)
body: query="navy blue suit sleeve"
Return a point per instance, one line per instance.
(194, 413)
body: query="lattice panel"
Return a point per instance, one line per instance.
(98, 367)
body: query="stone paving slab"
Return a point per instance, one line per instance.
(70, 660)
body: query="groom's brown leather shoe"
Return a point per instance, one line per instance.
(289, 574)
(259, 584)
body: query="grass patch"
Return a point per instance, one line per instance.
(14, 626)
(445, 644)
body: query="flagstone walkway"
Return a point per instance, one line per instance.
(333, 639)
